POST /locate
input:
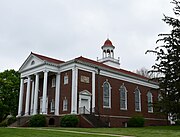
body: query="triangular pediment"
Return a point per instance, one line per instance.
(85, 92)
(31, 62)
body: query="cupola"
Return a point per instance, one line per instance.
(108, 55)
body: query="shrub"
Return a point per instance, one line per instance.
(37, 121)
(177, 122)
(136, 121)
(69, 121)
(3, 123)
(11, 120)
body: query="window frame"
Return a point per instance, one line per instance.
(150, 102)
(138, 92)
(65, 104)
(52, 106)
(123, 99)
(109, 95)
(53, 82)
(66, 79)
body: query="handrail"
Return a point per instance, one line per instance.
(83, 110)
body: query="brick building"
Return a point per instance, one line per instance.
(93, 90)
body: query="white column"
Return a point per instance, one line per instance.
(28, 96)
(93, 91)
(36, 94)
(44, 111)
(32, 97)
(21, 97)
(57, 95)
(74, 90)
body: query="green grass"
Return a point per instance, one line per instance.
(165, 131)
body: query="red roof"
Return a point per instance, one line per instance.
(108, 43)
(86, 60)
(109, 67)
(52, 60)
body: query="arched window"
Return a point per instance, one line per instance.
(106, 95)
(123, 98)
(137, 100)
(150, 101)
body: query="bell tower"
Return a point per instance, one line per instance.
(108, 55)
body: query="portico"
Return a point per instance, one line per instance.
(32, 71)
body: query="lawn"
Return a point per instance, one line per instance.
(173, 131)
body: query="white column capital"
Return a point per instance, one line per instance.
(45, 71)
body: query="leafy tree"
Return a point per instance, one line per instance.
(168, 64)
(9, 90)
(144, 72)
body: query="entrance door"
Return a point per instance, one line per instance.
(84, 102)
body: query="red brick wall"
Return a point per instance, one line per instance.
(115, 98)
(65, 91)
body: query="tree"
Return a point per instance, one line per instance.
(168, 64)
(144, 72)
(9, 92)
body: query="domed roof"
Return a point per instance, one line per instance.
(108, 43)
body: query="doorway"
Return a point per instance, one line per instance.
(84, 102)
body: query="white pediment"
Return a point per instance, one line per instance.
(85, 92)
(31, 62)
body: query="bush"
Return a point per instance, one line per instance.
(37, 121)
(69, 121)
(177, 122)
(11, 120)
(3, 123)
(136, 121)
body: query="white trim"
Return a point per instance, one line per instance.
(65, 104)
(28, 96)
(32, 98)
(84, 95)
(93, 90)
(125, 97)
(21, 97)
(39, 69)
(44, 111)
(109, 94)
(57, 95)
(149, 94)
(139, 97)
(36, 94)
(74, 90)
(128, 79)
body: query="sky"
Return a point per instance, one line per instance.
(66, 29)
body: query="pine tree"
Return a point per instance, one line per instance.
(168, 64)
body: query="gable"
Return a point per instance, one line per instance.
(31, 62)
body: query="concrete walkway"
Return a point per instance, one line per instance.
(75, 132)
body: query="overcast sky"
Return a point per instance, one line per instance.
(65, 29)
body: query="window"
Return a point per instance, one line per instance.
(137, 100)
(123, 98)
(32, 62)
(150, 101)
(66, 79)
(65, 104)
(106, 95)
(53, 82)
(52, 107)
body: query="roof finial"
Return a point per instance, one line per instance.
(108, 36)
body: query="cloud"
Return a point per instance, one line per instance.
(66, 29)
